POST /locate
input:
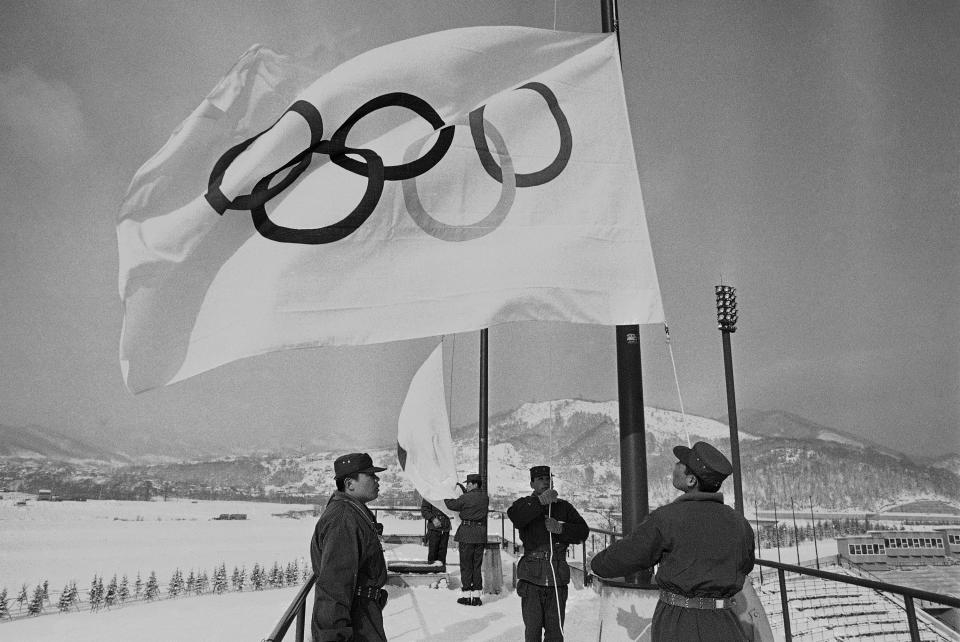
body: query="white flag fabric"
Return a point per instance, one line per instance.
(424, 444)
(440, 184)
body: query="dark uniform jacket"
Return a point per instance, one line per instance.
(472, 506)
(428, 511)
(347, 554)
(529, 515)
(703, 548)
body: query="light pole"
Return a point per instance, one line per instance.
(727, 324)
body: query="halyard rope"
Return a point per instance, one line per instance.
(676, 380)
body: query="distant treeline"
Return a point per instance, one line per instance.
(117, 592)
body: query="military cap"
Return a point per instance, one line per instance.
(539, 471)
(707, 463)
(474, 478)
(354, 463)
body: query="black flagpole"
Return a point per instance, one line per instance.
(633, 445)
(483, 409)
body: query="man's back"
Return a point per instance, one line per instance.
(703, 547)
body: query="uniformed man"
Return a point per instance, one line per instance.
(471, 538)
(438, 532)
(347, 557)
(544, 519)
(704, 550)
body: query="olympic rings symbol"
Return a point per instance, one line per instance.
(372, 168)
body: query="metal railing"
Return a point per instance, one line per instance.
(908, 594)
(297, 609)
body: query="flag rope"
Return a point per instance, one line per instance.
(676, 381)
(453, 349)
(556, 587)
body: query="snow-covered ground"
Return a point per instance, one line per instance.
(71, 541)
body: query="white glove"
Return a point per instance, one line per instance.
(548, 496)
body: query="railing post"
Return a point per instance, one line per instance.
(911, 618)
(301, 619)
(786, 609)
(586, 573)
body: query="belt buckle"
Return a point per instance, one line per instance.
(718, 604)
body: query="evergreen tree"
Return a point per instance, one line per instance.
(290, 578)
(124, 591)
(220, 579)
(175, 587)
(74, 595)
(191, 582)
(63, 604)
(110, 597)
(275, 579)
(234, 578)
(35, 607)
(22, 597)
(46, 591)
(242, 578)
(152, 590)
(4, 607)
(137, 586)
(306, 573)
(203, 583)
(256, 577)
(92, 594)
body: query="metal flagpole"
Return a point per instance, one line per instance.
(633, 445)
(483, 410)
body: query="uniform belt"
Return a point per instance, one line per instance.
(545, 555)
(695, 602)
(471, 522)
(369, 592)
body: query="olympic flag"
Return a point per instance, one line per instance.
(440, 184)
(424, 444)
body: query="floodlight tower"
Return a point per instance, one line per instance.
(727, 324)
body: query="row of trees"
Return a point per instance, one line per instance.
(117, 592)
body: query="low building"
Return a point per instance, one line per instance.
(44, 495)
(881, 550)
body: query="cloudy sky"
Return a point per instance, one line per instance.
(806, 153)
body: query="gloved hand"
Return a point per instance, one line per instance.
(548, 496)
(553, 525)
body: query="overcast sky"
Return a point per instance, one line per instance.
(806, 153)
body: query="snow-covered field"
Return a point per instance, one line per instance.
(71, 541)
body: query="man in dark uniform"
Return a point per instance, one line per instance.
(438, 532)
(704, 550)
(471, 538)
(544, 519)
(347, 558)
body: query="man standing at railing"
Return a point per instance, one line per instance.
(347, 557)
(704, 550)
(544, 519)
(438, 532)
(471, 538)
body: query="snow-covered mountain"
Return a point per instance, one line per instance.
(581, 441)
